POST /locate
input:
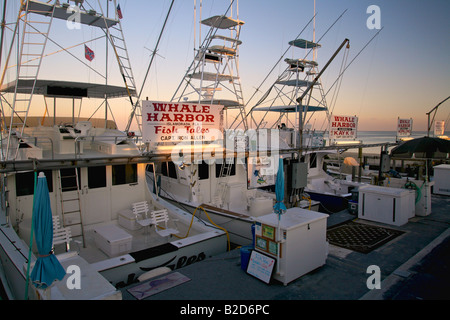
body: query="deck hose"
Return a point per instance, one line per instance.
(412, 185)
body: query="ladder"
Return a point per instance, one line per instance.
(214, 68)
(33, 42)
(117, 41)
(225, 170)
(70, 201)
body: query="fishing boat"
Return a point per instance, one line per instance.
(301, 79)
(215, 186)
(109, 228)
(231, 176)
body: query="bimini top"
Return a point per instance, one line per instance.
(290, 108)
(223, 102)
(90, 17)
(68, 89)
(222, 22)
(295, 83)
(304, 44)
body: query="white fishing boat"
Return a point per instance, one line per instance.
(107, 224)
(279, 108)
(215, 188)
(231, 179)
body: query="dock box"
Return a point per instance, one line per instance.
(127, 219)
(442, 179)
(386, 205)
(297, 240)
(112, 240)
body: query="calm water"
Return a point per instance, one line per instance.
(384, 136)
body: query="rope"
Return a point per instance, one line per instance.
(31, 240)
(193, 215)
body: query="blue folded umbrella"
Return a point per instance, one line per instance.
(47, 267)
(279, 207)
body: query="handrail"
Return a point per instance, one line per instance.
(26, 139)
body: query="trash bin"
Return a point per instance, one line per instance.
(245, 256)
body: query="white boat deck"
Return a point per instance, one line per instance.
(141, 239)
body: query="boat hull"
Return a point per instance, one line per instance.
(330, 203)
(174, 255)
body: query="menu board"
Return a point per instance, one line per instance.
(261, 266)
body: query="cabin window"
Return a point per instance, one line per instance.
(25, 182)
(168, 169)
(313, 160)
(96, 177)
(69, 179)
(203, 171)
(124, 174)
(229, 167)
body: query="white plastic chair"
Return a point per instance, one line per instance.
(61, 234)
(140, 208)
(159, 218)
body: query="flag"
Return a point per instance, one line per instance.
(88, 53)
(119, 12)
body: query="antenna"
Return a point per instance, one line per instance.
(314, 31)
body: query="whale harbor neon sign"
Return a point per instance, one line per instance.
(174, 122)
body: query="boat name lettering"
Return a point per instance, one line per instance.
(185, 261)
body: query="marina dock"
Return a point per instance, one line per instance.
(413, 267)
(199, 198)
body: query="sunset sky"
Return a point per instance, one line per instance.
(404, 72)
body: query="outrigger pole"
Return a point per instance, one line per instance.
(435, 110)
(299, 100)
(148, 69)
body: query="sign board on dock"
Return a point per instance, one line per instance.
(343, 127)
(404, 127)
(261, 266)
(439, 128)
(179, 121)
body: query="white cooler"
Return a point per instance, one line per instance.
(442, 179)
(127, 219)
(386, 205)
(112, 240)
(299, 245)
